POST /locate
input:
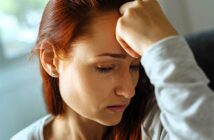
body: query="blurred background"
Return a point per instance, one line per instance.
(21, 101)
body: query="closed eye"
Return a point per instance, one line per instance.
(104, 69)
(109, 69)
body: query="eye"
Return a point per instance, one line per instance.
(135, 67)
(104, 69)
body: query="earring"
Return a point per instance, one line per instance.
(54, 74)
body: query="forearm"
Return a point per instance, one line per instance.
(186, 102)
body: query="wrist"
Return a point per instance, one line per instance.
(157, 39)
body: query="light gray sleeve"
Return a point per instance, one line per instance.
(181, 88)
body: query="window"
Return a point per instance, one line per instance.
(20, 82)
(19, 22)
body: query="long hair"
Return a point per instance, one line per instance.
(62, 22)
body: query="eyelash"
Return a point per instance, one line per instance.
(108, 69)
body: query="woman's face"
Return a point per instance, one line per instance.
(99, 75)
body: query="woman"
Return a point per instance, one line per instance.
(94, 90)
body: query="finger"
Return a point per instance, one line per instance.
(131, 4)
(143, 1)
(127, 48)
(140, 1)
(125, 6)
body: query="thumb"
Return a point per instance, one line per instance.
(126, 47)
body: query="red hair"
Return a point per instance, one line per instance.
(62, 22)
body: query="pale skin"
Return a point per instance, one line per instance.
(141, 24)
(98, 81)
(99, 74)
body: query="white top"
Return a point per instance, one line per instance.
(35, 130)
(185, 101)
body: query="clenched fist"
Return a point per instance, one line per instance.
(141, 24)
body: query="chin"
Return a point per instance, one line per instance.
(111, 121)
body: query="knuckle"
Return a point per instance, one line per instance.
(130, 11)
(121, 22)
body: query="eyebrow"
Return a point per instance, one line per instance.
(114, 55)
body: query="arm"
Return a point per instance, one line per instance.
(185, 101)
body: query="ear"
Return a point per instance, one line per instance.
(49, 58)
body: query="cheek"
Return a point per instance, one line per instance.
(96, 85)
(82, 90)
(71, 87)
(68, 85)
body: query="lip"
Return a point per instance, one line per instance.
(117, 108)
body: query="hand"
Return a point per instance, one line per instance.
(141, 24)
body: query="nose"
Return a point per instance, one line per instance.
(126, 87)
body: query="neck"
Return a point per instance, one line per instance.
(73, 126)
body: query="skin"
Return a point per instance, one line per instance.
(142, 23)
(90, 80)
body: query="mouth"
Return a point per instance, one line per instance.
(117, 108)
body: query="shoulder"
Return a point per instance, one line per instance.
(33, 131)
(151, 128)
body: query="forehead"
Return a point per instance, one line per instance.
(102, 38)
